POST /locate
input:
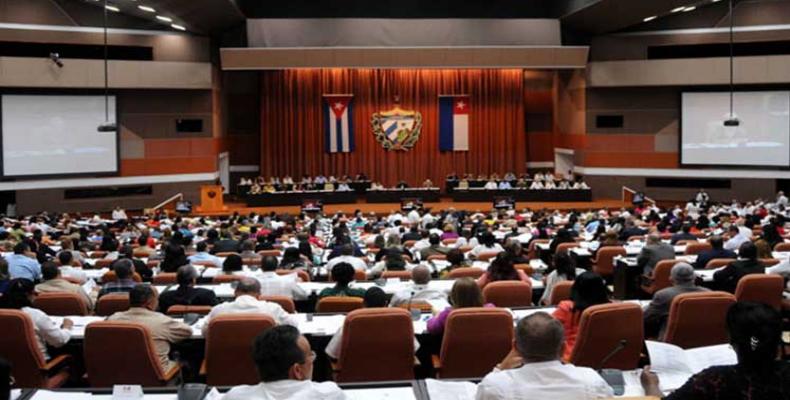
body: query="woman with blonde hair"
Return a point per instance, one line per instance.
(464, 294)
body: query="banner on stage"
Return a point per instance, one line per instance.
(454, 123)
(339, 123)
(396, 129)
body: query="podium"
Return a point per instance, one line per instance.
(211, 199)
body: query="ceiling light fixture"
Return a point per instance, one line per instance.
(166, 19)
(648, 19)
(689, 8)
(678, 9)
(146, 8)
(113, 8)
(179, 27)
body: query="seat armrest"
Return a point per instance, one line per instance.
(335, 366)
(57, 362)
(169, 375)
(203, 368)
(437, 362)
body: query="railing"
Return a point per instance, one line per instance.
(175, 197)
(628, 196)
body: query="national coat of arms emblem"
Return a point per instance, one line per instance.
(397, 129)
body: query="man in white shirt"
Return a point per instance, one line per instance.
(491, 185)
(781, 199)
(536, 185)
(202, 255)
(246, 302)
(738, 237)
(418, 292)
(347, 256)
(285, 364)
(273, 284)
(533, 369)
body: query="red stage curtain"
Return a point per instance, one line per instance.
(292, 137)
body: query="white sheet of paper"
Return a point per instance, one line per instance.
(399, 393)
(441, 390)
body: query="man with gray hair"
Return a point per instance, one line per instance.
(654, 251)
(418, 292)
(655, 314)
(533, 369)
(246, 302)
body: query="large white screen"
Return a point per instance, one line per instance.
(762, 139)
(55, 135)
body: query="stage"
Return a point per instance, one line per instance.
(234, 205)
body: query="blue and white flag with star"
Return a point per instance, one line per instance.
(338, 123)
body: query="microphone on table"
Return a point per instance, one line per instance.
(613, 377)
(188, 391)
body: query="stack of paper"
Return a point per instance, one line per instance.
(674, 366)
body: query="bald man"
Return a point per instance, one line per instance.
(418, 291)
(246, 302)
(533, 369)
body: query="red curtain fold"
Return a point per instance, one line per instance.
(292, 137)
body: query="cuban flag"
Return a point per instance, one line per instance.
(454, 123)
(338, 123)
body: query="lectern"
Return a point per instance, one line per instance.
(211, 199)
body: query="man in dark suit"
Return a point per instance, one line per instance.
(226, 244)
(186, 293)
(684, 234)
(655, 315)
(718, 251)
(727, 278)
(631, 230)
(654, 251)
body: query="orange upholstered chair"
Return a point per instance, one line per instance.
(359, 275)
(302, 274)
(698, 319)
(111, 277)
(403, 275)
(285, 302)
(697, 247)
(603, 264)
(564, 247)
(475, 340)
(123, 353)
(165, 278)
(449, 241)
(111, 303)
(226, 278)
(19, 347)
(532, 251)
(660, 277)
(436, 257)
(229, 341)
(781, 247)
(418, 305)
(103, 263)
(526, 268)
(226, 253)
(487, 255)
(274, 253)
(602, 328)
(61, 303)
(508, 294)
(769, 262)
(761, 288)
(719, 262)
(466, 272)
(561, 291)
(377, 345)
(338, 304)
(181, 309)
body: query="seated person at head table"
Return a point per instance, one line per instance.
(343, 275)
(164, 330)
(463, 184)
(287, 180)
(504, 185)
(755, 333)
(328, 187)
(186, 293)
(20, 295)
(533, 369)
(549, 184)
(580, 185)
(427, 183)
(490, 185)
(482, 177)
(284, 362)
(361, 177)
(452, 176)
(246, 302)
(537, 184)
(343, 187)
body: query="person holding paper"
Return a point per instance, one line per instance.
(655, 314)
(533, 370)
(755, 332)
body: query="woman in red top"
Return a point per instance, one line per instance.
(501, 269)
(588, 290)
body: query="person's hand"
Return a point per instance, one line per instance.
(649, 381)
(512, 360)
(67, 324)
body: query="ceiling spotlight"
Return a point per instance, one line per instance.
(166, 19)
(689, 8)
(648, 19)
(113, 8)
(146, 8)
(715, 1)
(678, 9)
(179, 27)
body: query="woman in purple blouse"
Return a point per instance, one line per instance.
(465, 293)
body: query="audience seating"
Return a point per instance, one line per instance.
(781, 247)
(61, 303)
(603, 264)
(719, 262)
(377, 345)
(111, 277)
(123, 353)
(526, 268)
(659, 279)
(418, 305)
(19, 347)
(359, 275)
(436, 257)
(761, 288)
(697, 247)
(447, 242)
(532, 251)
(338, 304)
(769, 262)
(466, 272)
(103, 263)
(274, 253)
(402, 275)
(165, 278)
(475, 340)
(508, 294)
(229, 341)
(565, 247)
(226, 253)
(226, 278)
(181, 309)
(111, 303)
(603, 328)
(487, 255)
(302, 274)
(698, 319)
(285, 302)
(685, 242)
(561, 291)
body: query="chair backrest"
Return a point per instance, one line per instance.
(417, 305)
(532, 252)
(387, 333)
(19, 347)
(285, 302)
(302, 274)
(526, 268)
(111, 303)
(486, 255)
(226, 253)
(697, 247)
(719, 262)
(226, 278)
(121, 352)
(229, 341)
(102, 263)
(783, 246)
(275, 253)
(564, 247)
(761, 288)
(508, 294)
(698, 319)
(462, 355)
(110, 276)
(661, 274)
(449, 241)
(637, 238)
(61, 303)
(685, 242)
(165, 278)
(561, 291)
(604, 259)
(466, 272)
(603, 327)
(436, 257)
(409, 243)
(338, 304)
(769, 262)
(181, 309)
(359, 275)
(403, 275)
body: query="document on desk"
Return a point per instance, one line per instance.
(675, 366)
(444, 390)
(49, 395)
(396, 393)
